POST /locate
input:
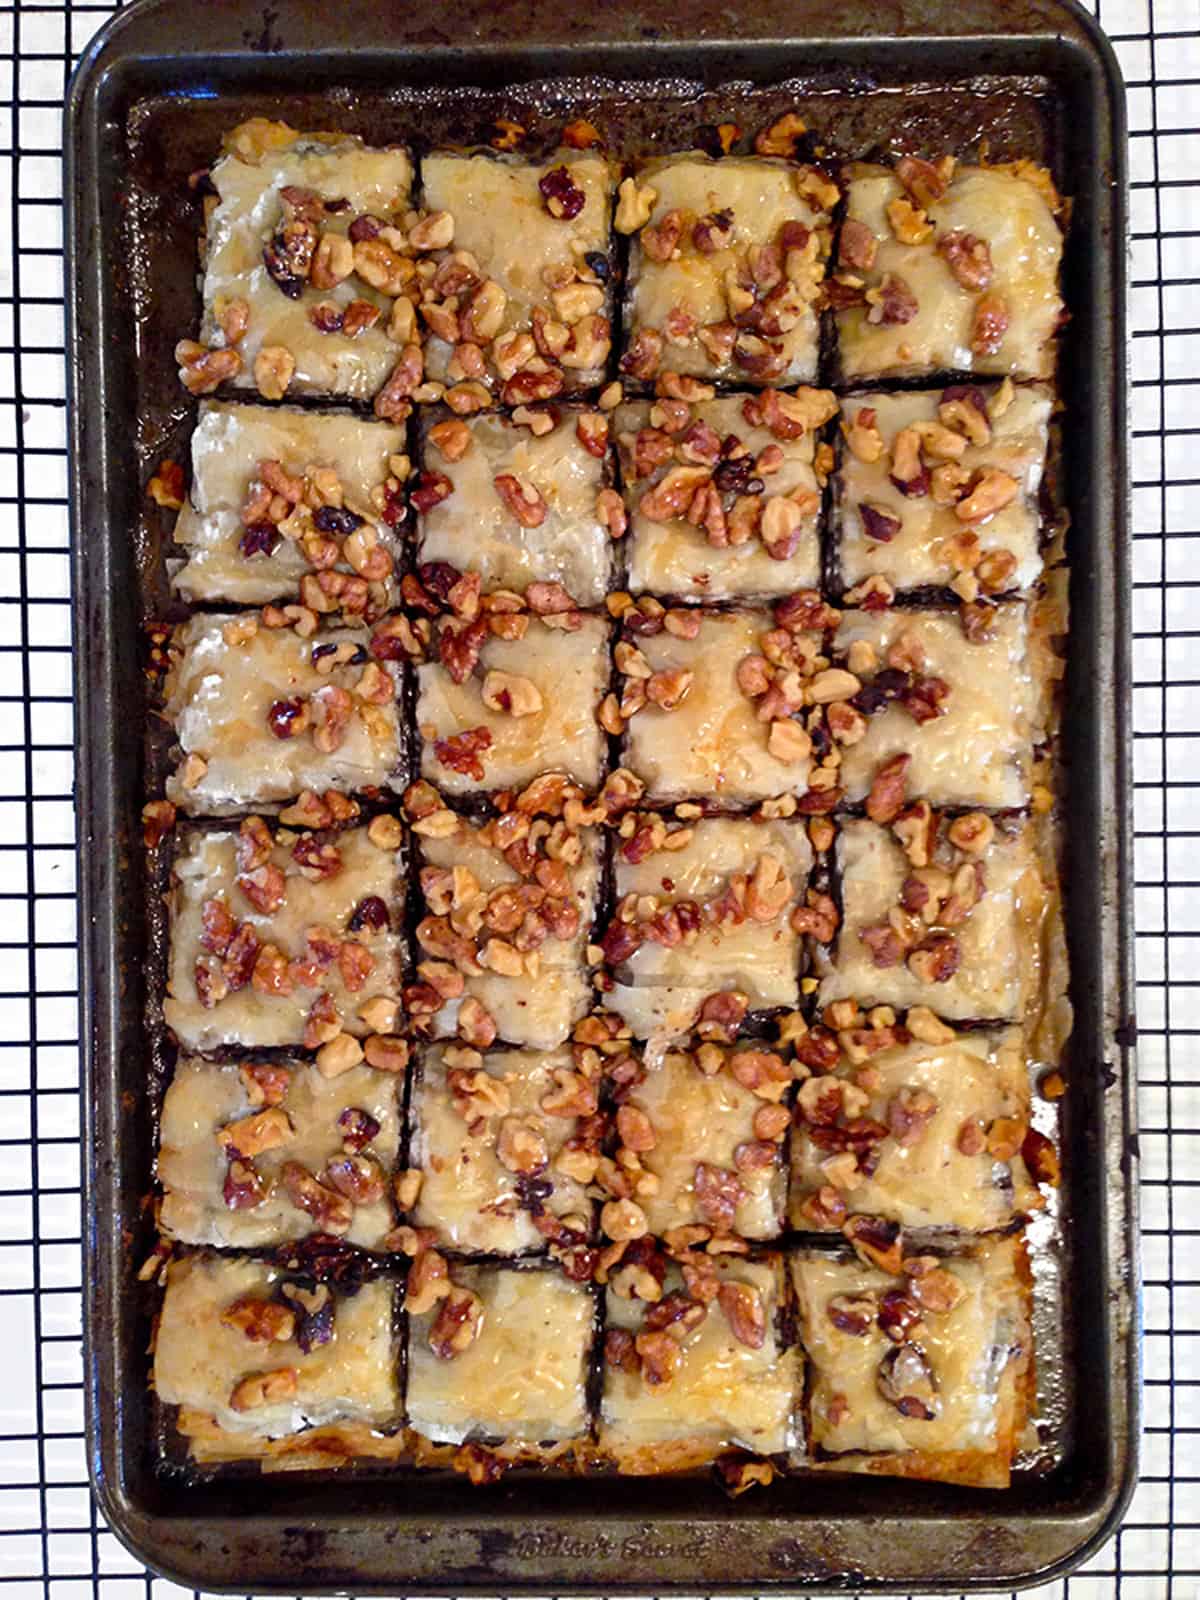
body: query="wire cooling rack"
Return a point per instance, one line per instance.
(53, 1543)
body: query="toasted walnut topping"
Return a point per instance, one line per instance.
(886, 796)
(202, 371)
(990, 492)
(428, 1282)
(1040, 1157)
(934, 1289)
(251, 1136)
(926, 1027)
(990, 324)
(341, 1053)
(634, 205)
(1005, 1136)
(274, 368)
(385, 1052)
(262, 1321)
(507, 692)
(458, 1323)
(876, 1241)
(908, 223)
(265, 1389)
(852, 1314)
(745, 1313)
(521, 1146)
(968, 258)
(623, 1219)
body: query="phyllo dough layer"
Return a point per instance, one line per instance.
(490, 1136)
(295, 262)
(517, 502)
(700, 1370)
(922, 1373)
(262, 713)
(280, 497)
(726, 269)
(965, 711)
(941, 488)
(529, 272)
(708, 917)
(944, 269)
(264, 1352)
(259, 1153)
(527, 706)
(722, 494)
(927, 1134)
(280, 939)
(960, 933)
(503, 1356)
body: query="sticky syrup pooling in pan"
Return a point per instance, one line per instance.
(613, 912)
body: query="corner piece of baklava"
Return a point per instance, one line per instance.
(269, 1363)
(948, 268)
(920, 1366)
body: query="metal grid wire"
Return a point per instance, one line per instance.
(53, 1544)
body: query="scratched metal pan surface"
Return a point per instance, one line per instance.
(149, 104)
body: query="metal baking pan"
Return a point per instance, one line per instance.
(149, 103)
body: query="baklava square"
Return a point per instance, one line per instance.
(961, 933)
(723, 497)
(940, 488)
(499, 713)
(518, 503)
(254, 1351)
(952, 714)
(921, 1373)
(263, 713)
(307, 258)
(281, 497)
(510, 905)
(527, 274)
(716, 1159)
(922, 1127)
(945, 268)
(726, 268)
(510, 1364)
(260, 1152)
(699, 721)
(711, 916)
(284, 938)
(498, 1141)
(703, 1369)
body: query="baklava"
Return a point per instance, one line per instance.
(520, 306)
(705, 910)
(947, 268)
(726, 269)
(612, 921)
(495, 713)
(256, 1153)
(501, 1355)
(292, 505)
(519, 501)
(723, 496)
(940, 489)
(254, 1354)
(284, 937)
(265, 708)
(918, 1124)
(920, 1368)
(309, 254)
(703, 1368)
(509, 908)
